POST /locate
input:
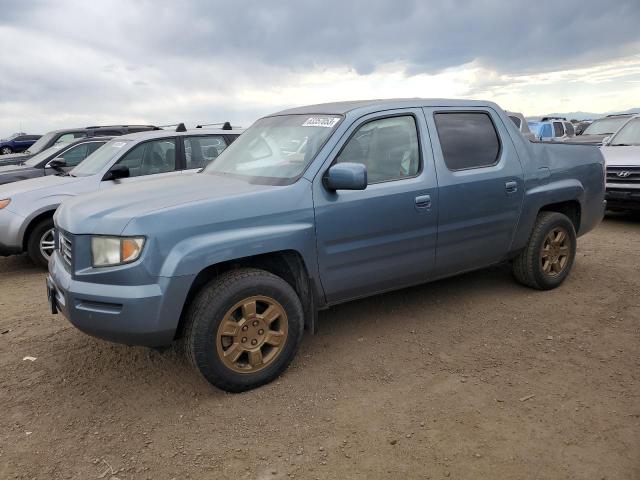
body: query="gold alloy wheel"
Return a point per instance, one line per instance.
(554, 255)
(252, 334)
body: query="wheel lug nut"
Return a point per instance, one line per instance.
(260, 332)
(254, 341)
(255, 323)
(245, 328)
(244, 339)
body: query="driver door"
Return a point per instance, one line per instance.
(384, 237)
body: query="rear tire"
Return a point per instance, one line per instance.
(40, 243)
(6, 151)
(243, 329)
(548, 257)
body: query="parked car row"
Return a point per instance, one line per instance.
(92, 164)
(62, 137)
(594, 133)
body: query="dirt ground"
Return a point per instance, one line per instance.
(473, 377)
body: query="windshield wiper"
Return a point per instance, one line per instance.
(620, 144)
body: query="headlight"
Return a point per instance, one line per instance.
(112, 251)
(4, 203)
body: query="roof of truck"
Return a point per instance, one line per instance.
(383, 104)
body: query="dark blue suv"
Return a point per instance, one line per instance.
(16, 143)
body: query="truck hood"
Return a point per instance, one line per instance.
(622, 156)
(109, 211)
(590, 139)
(10, 190)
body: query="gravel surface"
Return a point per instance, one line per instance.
(470, 377)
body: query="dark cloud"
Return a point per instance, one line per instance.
(110, 56)
(514, 36)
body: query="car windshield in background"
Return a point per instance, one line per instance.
(41, 143)
(628, 135)
(99, 159)
(605, 126)
(43, 155)
(275, 150)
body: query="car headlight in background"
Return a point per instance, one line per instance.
(4, 203)
(112, 251)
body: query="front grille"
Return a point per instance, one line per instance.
(65, 245)
(623, 174)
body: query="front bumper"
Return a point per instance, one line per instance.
(145, 315)
(627, 199)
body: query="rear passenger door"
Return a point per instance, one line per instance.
(480, 184)
(200, 150)
(383, 237)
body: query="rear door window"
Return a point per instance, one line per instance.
(468, 139)
(558, 130)
(201, 150)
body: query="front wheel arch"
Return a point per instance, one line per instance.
(287, 264)
(32, 224)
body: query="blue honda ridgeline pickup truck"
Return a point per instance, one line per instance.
(312, 207)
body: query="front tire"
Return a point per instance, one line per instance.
(6, 151)
(243, 329)
(548, 257)
(40, 244)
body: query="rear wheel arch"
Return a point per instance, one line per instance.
(572, 209)
(286, 264)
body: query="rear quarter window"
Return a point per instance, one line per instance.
(467, 139)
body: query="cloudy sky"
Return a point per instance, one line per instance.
(74, 63)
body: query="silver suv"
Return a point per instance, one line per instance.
(27, 207)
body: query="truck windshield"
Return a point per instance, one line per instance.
(275, 150)
(41, 143)
(628, 135)
(605, 126)
(99, 159)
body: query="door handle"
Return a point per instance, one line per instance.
(423, 201)
(511, 187)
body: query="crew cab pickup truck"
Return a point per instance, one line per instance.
(312, 207)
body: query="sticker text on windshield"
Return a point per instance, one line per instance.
(327, 122)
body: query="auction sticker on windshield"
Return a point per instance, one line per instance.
(327, 122)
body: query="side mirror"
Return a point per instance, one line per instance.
(116, 172)
(58, 164)
(346, 176)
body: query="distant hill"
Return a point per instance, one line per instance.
(581, 115)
